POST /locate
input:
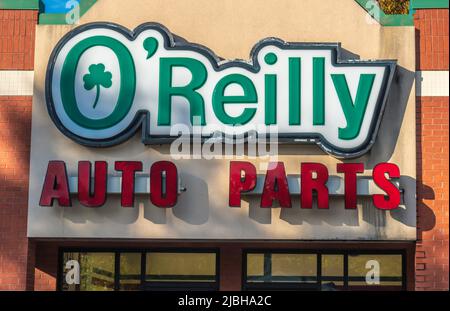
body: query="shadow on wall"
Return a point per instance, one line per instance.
(194, 214)
(337, 215)
(392, 119)
(426, 219)
(16, 250)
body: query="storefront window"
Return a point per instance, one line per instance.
(375, 270)
(323, 271)
(332, 271)
(130, 271)
(255, 267)
(87, 271)
(138, 270)
(197, 269)
(282, 268)
(180, 267)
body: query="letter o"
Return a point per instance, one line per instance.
(127, 83)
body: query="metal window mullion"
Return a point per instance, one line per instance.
(346, 271)
(404, 271)
(116, 270)
(143, 264)
(267, 266)
(319, 270)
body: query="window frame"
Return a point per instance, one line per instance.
(246, 286)
(144, 285)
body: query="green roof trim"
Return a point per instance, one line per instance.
(374, 10)
(428, 4)
(19, 4)
(60, 18)
(52, 18)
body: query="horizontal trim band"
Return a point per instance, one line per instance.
(19, 4)
(373, 9)
(432, 83)
(428, 4)
(16, 83)
(66, 18)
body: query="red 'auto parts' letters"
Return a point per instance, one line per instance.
(243, 178)
(314, 177)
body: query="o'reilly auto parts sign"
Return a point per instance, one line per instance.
(105, 83)
(208, 173)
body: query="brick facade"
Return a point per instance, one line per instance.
(27, 265)
(432, 248)
(15, 131)
(432, 39)
(432, 191)
(46, 265)
(17, 29)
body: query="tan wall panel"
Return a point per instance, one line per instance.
(231, 28)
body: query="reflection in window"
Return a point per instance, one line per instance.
(255, 267)
(180, 267)
(338, 271)
(375, 270)
(332, 271)
(274, 267)
(96, 271)
(130, 271)
(100, 271)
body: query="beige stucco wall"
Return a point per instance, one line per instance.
(231, 28)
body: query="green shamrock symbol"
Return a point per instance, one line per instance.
(97, 77)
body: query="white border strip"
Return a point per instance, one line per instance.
(16, 83)
(432, 83)
(20, 83)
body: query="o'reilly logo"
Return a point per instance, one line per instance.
(104, 83)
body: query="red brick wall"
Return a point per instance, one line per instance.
(45, 269)
(432, 252)
(432, 41)
(17, 30)
(230, 268)
(15, 130)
